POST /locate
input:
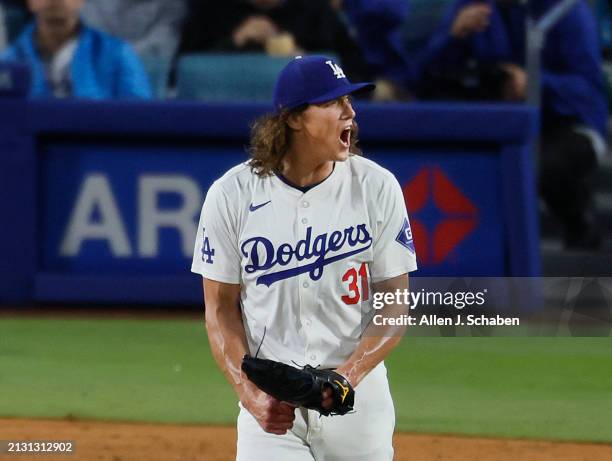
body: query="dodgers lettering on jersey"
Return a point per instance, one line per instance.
(305, 250)
(306, 262)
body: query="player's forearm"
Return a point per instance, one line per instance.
(377, 341)
(371, 350)
(226, 334)
(228, 343)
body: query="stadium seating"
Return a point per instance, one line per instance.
(158, 69)
(228, 77)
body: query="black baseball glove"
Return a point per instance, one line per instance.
(302, 387)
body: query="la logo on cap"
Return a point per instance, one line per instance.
(338, 72)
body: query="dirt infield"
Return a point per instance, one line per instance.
(95, 441)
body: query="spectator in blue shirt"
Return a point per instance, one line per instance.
(68, 58)
(484, 42)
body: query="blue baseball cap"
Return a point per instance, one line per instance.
(312, 80)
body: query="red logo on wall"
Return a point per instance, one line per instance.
(432, 198)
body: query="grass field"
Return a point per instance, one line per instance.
(162, 371)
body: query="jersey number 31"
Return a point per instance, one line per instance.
(356, 292)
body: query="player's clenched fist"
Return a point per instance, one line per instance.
(471, 19)
(273, 416)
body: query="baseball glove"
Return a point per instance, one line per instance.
(302, 387)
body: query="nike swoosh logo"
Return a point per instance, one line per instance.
(257, 207)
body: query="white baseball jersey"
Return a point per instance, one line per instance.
(305, 261)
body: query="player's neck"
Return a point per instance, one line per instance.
(305, 173)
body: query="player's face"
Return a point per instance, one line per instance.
(327, 128)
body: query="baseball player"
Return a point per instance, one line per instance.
(292, 245)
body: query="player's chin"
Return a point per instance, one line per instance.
(343, 153)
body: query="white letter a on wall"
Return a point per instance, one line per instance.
(95, 193)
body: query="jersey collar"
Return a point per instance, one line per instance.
(314, 189)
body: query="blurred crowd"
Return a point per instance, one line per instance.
(413, 49)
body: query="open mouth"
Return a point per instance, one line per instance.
(345, 137)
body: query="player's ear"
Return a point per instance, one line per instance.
(294, 120)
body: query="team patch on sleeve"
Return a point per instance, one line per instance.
(404, 237)
(207, 251)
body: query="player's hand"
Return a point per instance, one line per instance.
(471, 19)
(256, 29)
(273, 416)
(515, 88)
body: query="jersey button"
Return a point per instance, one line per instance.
(308, 322)
(305, 285)
(305, 204)
(313, 357)
(304, 221)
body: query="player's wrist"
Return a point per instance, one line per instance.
(347, 371)
(245, 396)
(246, 390)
